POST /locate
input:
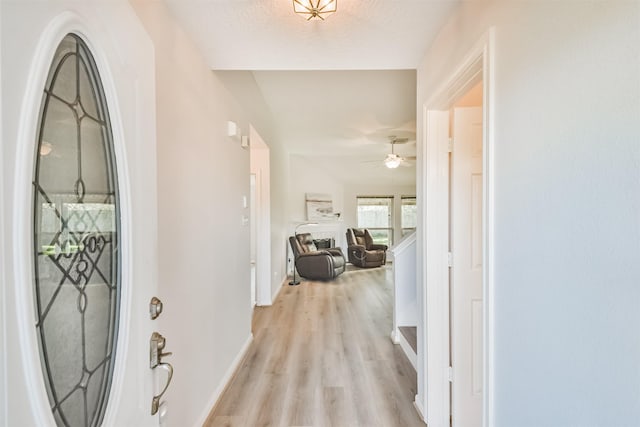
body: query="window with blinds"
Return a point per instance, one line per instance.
(376, 215)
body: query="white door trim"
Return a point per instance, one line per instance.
(488, 229)
(263, 231)
(434, 358)
(3, 280)
(433, 307)
(260, 153)
(253, 231)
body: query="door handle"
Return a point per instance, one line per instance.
(156, 345)
(155, 402)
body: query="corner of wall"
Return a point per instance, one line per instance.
(276, 292)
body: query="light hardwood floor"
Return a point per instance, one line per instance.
(322, 356)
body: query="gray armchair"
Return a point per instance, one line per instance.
(313, 263)
(362, 251)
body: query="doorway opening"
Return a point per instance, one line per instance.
(465, 269)
(456, 244)
(254, 237)
(260, 218)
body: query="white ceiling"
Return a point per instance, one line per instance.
(338, 119)
(342, 120)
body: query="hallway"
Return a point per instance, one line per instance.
(322, 356)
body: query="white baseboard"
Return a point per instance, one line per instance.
(418, 407)
(411, 355)
(398, 338)
(274, 296)
(263, 303)
(394, 336)
(277, 292)
(224, 382)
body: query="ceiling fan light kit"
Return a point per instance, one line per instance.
(392, 161)
(311, 9)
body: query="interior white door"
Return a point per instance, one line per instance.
(83, 217)
(466, 276)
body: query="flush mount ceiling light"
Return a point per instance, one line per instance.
(315, 8)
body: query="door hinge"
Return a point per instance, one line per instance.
(450, 374)
(449, 259)
(450, 145)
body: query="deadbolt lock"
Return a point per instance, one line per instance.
(155, 308)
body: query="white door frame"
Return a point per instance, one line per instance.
(433, 379)
(263, 240)
(3, 298)
(253, 180)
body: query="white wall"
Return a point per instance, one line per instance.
(567, 227)
(245, 89)
(280, 225)
(308, 178)
(351, 192)
(405, 304)
(204, 249)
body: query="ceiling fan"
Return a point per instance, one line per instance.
(394, 160)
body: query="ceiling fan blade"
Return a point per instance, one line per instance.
(395, 140)
(407, 162)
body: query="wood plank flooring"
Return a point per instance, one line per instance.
(322, 356)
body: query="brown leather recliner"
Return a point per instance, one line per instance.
(313, 263)
(362, 251)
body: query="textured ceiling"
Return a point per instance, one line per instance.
(318, 78)
(268, 35)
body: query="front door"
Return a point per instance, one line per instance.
(78, 318)
(466, 275)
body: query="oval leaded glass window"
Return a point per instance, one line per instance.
(76, 227)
